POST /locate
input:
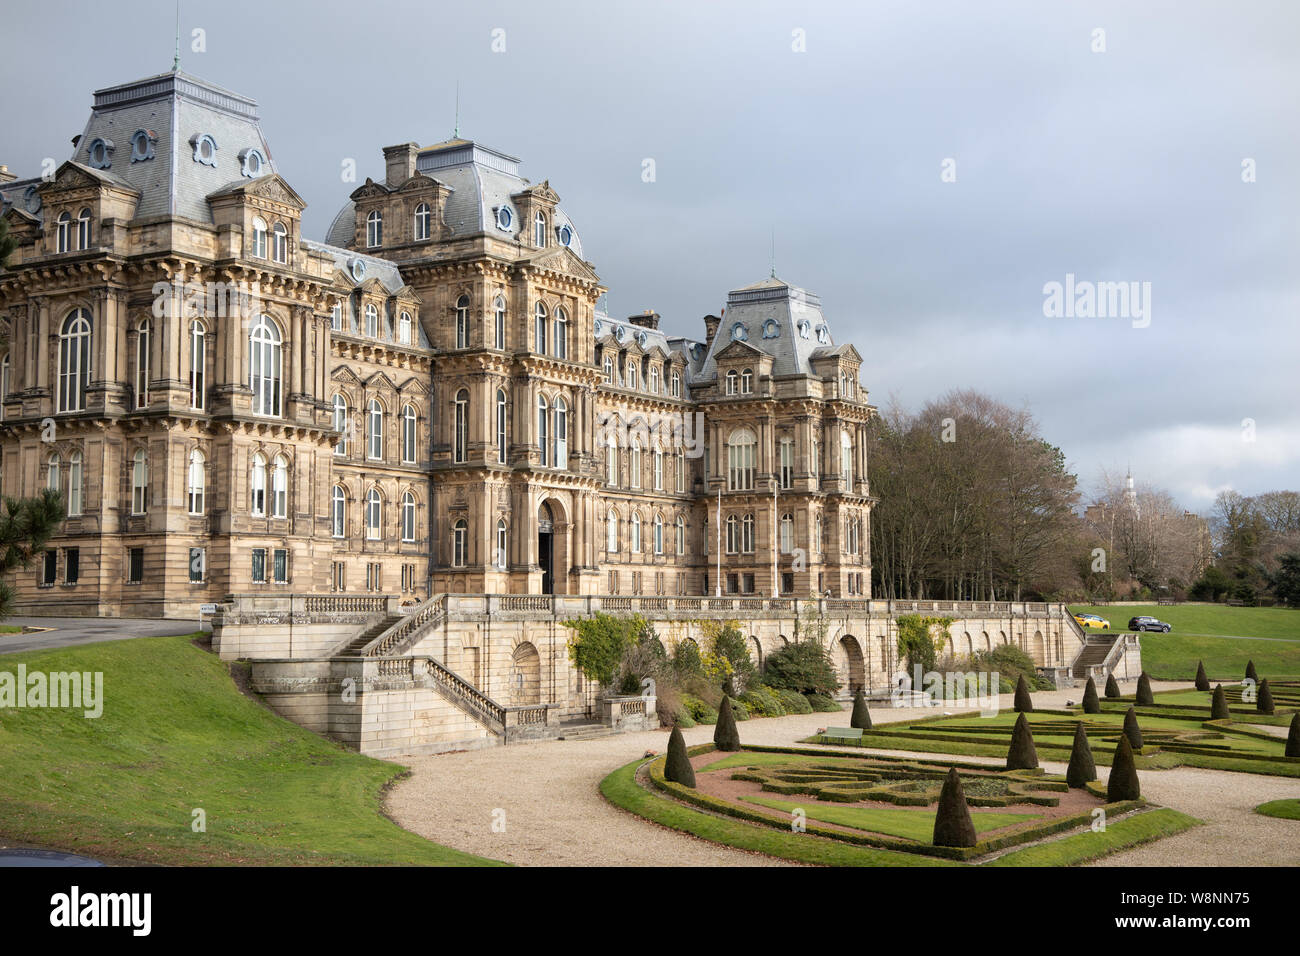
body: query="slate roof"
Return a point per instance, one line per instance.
(777, 318)
(389, 275)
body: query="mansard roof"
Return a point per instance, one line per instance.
(774, 317)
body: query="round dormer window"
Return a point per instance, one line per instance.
(142, 145)
(566, 235)
(641, 339)
(770, 329)
(205, 149)
(804, 329)
(504, 217)
(739, 333)
(823, 334)
(620, 333)
(596, 327)
(358, 269)
(252, 162)
(101, 151)
(32, 200)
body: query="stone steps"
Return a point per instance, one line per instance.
(584, 732)
(368, 635)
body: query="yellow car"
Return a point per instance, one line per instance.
(1092, 620)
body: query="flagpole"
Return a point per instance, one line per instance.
(717, 585)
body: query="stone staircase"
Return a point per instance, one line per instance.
(356, 645)
(1094, 654)
(583, 729)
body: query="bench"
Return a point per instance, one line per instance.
(841, 733)
(1166, 602)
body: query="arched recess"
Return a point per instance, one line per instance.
(525, 676)
(849, 661)
(1039, 648)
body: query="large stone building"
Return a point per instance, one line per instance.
(430, 400)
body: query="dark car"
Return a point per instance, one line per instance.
(1147, 624)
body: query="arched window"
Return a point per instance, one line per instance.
(196, 483)
(561, 333)
(633, 368)
(74, 361)
(279, 487)
(501, 426)
(461, 440)
(814, 458)
(503, 544)
(409, 421)
(733, 534)
(198, 364)
(817, 535)
(740, 460)
(4, 382)
(681, 535)
(52, 478)
(374, 430)
(679, 473)
(561, 433)
(374, 515)
(634, 463)
(259, 238)
(422, 220)
(654, 379)
(374, 229)
(280, 243)
(500, 309)
(462, 322)
(264, 366)
(732, 379)
(338, 511)
(459, 543)
(747, 534)
(83, 229)
(846, 460)
(336, 317)
(139, 483)
(257, 479)
(408, 517)
(636, 533)
(657, 468)
(659, 534)
(372, 320)
(676, 391)
(404, 329)
(611, 464)
(611, 532)
(747, 382)
(74, 484)
(609, 370)
(539, 333)
(787, 533)
(543, 429)
(142, 364)
(63, 233)
(341, 425)
(539, 230)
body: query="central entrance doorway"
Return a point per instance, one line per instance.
(546, 547)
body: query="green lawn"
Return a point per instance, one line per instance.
(915, 825)
(177, 736)
(10, 629)
(1284, 809)
(1081, 847)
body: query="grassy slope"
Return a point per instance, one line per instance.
(177, 735)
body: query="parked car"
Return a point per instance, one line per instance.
(1145, 623)
(1092, 620)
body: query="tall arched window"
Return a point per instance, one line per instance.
(679, 472)
(461, 438)
(503, 544)
(338, 511)
(462, 322)
(633, 368)
(501, 426)
(747, 534)
(611, 464)
(787, 533)
(372, 320)
(636, 533)
(654, 379)
(409, 421)
(404, 327)
(63, 233)
(422, 221)
(732, 379)
(539, 332)
(74, 361)
(747, 381)
(264, 366)
(659, 534)
(279, 487)
(740, 460)
(259, 238)
(500, 308)
(74, 484)
(733, 534)
(634, 463)
(198, 364)
(341, 424)
(657, 468)
(408, 517)
(543, 430)
(611, 532)
(374, 515)
(846, 460)
(257, 486)
(142, 364)
(374, 430)
(280, 243)
(561, 433)
(139, 483)
(374, 229)
(83, 229)
(676, 390)
(681, 535)
(196, 483)
(539, 230)
(561, 333)
(53, 480)
(817, 535)
(609, 369)
(459, 543)
(4, 382)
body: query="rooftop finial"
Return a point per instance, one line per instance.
(176, 60)
(774, 252)
(455, 133)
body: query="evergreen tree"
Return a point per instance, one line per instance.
(725, 735)
(1202, 681)
(1082, 769)
(1131, 729)
(677, 766)
(1023, 704)
(1123, 783)
(1293, 738)
(1250, 672)
(1264, 702)
(1091, 705)
(1219, 705)
(1022, 755)
(952, 823)
(26, 524)
(861, 715)
(1112, 687)
(1144, 696)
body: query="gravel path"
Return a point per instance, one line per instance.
(555, 815)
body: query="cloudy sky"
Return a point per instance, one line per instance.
(830, 126)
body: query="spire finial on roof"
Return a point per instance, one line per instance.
(176, 59)
(455, 133)
(774, 252)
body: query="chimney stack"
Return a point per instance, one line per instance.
(711, 323)
(649, 319)
(399, 163)
(6, 176)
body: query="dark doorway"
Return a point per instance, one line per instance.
(546, 548)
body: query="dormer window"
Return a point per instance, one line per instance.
(733, 379)
(823, 335)
(374, 229)
(676, 389)
(358, 269)
(63, 233)
(259, 238)
(205, 149)
(372, 321)
(251, 162)
(804, 328)
(504, 217)
(101, 153)
(142, 145)
(565, 235)
(747, 382)
(280, 243)
(83, 229)
(739, 333)
(771, 330)
(423, 218)
(539, 230)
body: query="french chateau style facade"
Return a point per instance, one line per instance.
(429, 400)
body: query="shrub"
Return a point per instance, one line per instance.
(728, 654)
(792, 701)
(1264, 702)
(725, 735)
(952, 823)
(1011, 663)
(1123, 782)
(861, 715)
(760, 701)
(822, 704)
(916, 641)
(699, 711)
(805, 666)
(677, 766)
(1144, 697)
(599, 643)
(738, 710)
(1132, 732)
(1022, 755)
(1112, 687)
(1023, 704)
(1082, 769)
(1202, 681)
(1219, 705)
(1293, 737)
(1251, 673)
(684, 721)
(1091, 705)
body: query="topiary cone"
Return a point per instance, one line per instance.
(1251, 674)
(725, 734)
(1022, 755)
(677, 766)
(1144, 696)
(1219, 705)
(1264, 702)
(952, 823)
(1202, 682)
(1132, 731)
(1022, 704)
(1112, 688)
(1123, 783)
(861, 718)
(1082, 769)
(1091, 705)
(1293, 738)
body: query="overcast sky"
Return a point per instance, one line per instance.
(1122, 165)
